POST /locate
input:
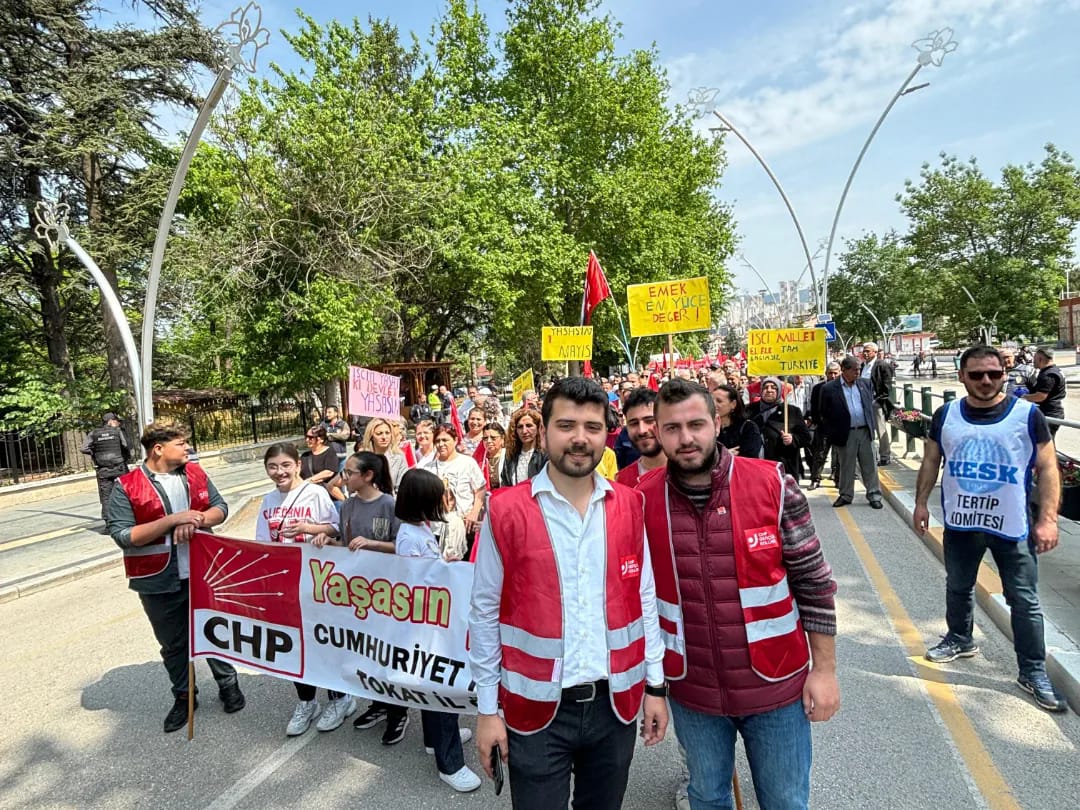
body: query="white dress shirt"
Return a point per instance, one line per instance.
(580, 551)
(868, 367)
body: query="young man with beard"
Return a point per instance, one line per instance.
(991, 443)
(641, 430)
(746, 603)
(567, 543)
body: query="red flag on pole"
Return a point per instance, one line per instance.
(596, 288)
(455, 420)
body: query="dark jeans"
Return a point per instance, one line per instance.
(585, 739)
(441, 732)
(168, 615)
(306, 692)
(818, 452)
(1016, 563)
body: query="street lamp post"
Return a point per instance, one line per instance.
(249, 35)
(767, 289)
(932, 50)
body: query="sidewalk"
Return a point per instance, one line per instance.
(1059, 579)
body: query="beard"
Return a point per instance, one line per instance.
(573, 467)
(687, 470)
(975, 393)
(649, 447)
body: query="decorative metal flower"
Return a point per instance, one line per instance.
(933, 47)
(52, 223)
(701, 100)
(249, 35)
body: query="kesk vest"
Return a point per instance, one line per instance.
(531, 613)
(146, 503)
(775, 639)
(988, 470)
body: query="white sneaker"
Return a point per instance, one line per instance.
(466, 735)
(303, 714)
(463, 781)
(336, 712)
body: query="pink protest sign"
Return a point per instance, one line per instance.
(373, 394)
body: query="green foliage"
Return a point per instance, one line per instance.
(876, 274)
(1007, 244)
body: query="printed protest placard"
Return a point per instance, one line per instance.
(374, 625)
(374, 394)
(522, 384)
(566, 343)
(770, 352)
(666, 307)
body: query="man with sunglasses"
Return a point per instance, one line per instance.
(990, 442)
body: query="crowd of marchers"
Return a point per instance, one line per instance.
(643, 550)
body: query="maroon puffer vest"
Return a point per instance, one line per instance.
(719, 679)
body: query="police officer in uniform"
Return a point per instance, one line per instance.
(108, 448)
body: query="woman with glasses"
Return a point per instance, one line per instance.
(425, 444)
(493, 454)
(319, 463)
(379, 438)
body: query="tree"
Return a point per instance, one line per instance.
(77, 123)
(875, 274)
(998, 250)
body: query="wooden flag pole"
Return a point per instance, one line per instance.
(190, 700)
(736, 790)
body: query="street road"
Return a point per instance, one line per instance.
(86, 695)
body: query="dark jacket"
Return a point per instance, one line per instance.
(508, 475)
(719, 679)
(745, 435)
(881, 378)
(108, 448)
(771, 428)
(835, 419)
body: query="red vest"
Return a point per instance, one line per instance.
(531, 612)
(775, 639)
(153, 558)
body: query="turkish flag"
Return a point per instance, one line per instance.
(596, 288)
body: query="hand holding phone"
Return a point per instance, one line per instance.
(497, 769)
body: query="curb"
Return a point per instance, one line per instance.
(1062, 655)
(78, 570)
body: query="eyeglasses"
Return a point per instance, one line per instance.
(977, 376)
(347, 471)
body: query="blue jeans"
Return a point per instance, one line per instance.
(777, 745)
(1017, 566)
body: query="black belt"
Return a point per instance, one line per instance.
(585, 692)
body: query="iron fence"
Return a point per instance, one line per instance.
(31, 455)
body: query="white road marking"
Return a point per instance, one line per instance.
(236, 794)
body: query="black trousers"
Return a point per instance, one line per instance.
(168, 615)
(306, 692)
(106, 480)
(586, 740)
(441, 732)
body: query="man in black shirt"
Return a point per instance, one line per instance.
(107, 446)
(1049, 393)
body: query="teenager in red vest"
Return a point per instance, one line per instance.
(746, 604)
(152, 513)
(640, 429)
(566, 543)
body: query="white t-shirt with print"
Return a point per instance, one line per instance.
(464, 476)
(308, 503)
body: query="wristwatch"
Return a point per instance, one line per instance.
(656, 691)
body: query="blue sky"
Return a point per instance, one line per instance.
(805, 81)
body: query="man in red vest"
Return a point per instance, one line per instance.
(152, 513)
(746, 604)
(641, 430)
(569, 544)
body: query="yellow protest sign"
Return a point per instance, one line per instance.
(770, 352)
(522, 384)
(566, 343)
(665, 307)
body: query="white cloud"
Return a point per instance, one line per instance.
(833, 69)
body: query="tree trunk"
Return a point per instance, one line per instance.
(331, 394)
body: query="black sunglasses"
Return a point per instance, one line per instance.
(977, 376)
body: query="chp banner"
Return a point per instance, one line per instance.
(372, 393)
(374, 625)
(522, 384)
(770, 352)
(666, 307)
(566, 343)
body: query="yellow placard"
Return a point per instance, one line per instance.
(566, 343)
(666, 307)
(770, 352)
(522, 384)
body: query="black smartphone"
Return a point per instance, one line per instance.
(497, 769)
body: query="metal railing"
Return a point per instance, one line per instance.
(34, 455)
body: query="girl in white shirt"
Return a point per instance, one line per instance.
(419, 504)
(297, 511)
